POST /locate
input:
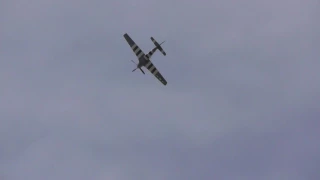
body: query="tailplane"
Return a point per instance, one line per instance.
(158, 45)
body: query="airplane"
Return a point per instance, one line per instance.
(145, 59)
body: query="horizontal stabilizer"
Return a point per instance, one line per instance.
(158, 45)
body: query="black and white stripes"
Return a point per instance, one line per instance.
(148, 56)
(137, 51)
(151, 68)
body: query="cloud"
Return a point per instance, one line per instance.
(241, 100)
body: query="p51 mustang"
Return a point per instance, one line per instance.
(144, 59)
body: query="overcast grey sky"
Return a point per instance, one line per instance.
(242, 100)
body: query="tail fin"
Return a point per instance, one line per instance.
(158, 45)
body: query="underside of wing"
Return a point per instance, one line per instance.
(135, 48)
(155, 72)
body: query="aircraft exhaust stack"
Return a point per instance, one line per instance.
(158, 45)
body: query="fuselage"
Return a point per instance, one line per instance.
(142, 61)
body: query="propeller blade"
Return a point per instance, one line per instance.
(133, 62)
(142, 71)
(134, 69)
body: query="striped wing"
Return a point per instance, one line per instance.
(135, 48)
(155, 72)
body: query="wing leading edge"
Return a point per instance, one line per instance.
(135, 48)
(155, 72)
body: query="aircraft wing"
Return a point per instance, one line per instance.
(135, 48)
(155, 72)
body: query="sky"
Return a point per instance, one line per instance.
(242, 100)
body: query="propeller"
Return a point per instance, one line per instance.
(137, 67)
(142, 71)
